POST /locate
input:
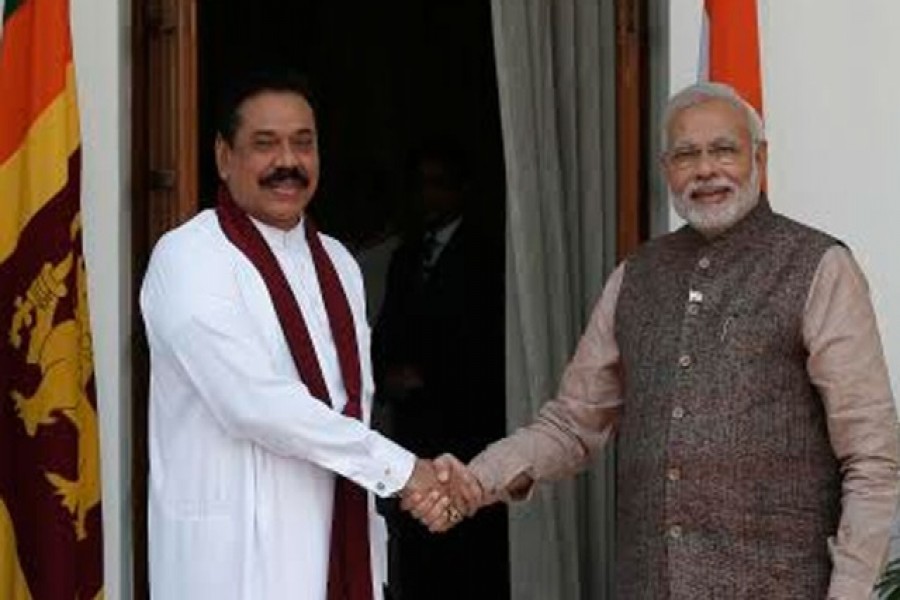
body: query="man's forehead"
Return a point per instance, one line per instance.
(265, 129)
(271, 106)
(712, 119)
(689, 140)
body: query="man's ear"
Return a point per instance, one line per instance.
(761, 154)
(223, 155)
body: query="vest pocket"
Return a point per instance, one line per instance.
(754, 333)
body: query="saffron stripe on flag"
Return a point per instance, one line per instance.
(734, 48)
(34, 53)
(39, 168)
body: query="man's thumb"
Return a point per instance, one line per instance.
(442, 466)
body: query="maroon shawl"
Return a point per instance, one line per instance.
(349, 575)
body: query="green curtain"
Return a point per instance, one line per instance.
(556, 79)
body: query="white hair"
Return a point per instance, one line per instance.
(707, 91)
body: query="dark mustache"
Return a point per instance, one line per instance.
(281, 174)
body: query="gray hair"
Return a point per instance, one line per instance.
(707, 91)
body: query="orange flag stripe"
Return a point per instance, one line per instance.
(39, 168)
(34, 52)
(734, 50)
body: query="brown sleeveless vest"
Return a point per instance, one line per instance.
(727, 484)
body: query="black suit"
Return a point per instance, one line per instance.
(448, 327)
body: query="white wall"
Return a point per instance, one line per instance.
(831, 86)
(100, 35)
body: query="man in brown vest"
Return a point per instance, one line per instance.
(739, 362)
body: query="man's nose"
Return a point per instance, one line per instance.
(706, 165)
(286, 156)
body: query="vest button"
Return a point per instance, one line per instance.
(703, 263)
(677, 412)
(673, 474)
(675, 532)
(684, 361)
(693, 309)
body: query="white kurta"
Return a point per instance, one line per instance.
(242, 458)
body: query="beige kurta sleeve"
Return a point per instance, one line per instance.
(846, 363)
(574, 424)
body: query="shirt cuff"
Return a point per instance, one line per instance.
(843, 588)
(392, 466)
(497, 467)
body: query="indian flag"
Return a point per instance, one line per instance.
(50, 526)
(730, 50)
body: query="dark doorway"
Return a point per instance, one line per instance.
(386, 76)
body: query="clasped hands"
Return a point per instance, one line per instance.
(441, 492)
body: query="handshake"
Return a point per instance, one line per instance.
(441, 492)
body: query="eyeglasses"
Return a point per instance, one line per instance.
(685, 158)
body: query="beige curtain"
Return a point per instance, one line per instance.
(556, 73)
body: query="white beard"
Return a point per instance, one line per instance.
(714, 219)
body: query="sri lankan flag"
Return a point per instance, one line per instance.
(50, 533)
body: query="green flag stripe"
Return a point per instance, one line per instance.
(9, 7)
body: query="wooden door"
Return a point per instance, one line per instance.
(632, 130)
(164, 194)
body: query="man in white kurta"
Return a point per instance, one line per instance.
(243, 459)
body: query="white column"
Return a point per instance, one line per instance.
(99, 29)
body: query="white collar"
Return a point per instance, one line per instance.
(281, 239)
